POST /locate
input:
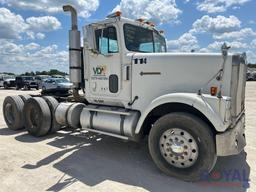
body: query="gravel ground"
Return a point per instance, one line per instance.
(72, 161)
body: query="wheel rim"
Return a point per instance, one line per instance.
(179, 148)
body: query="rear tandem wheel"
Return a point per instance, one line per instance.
(37, 116)
(12, 110)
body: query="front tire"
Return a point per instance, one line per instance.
(43, 89)
(6, 86)
(182, 146)
(26, 87)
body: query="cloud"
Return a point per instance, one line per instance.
(238, 35)
(84, 7)
(160, 11)
(40, 36)
(185, 43)
(251, 56)
(32, 35)
(13, 26)
(219, 24)
(253, 44)
(32, 46)
(19, 58)
(215, 6)
(216, 46)
(9, 48)
(45, 23)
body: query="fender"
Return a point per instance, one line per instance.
(191, 99)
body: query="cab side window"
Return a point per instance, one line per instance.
(106, 40)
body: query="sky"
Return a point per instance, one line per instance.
(34, 34)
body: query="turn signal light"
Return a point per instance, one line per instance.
(214, 91)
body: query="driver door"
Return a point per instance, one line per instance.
(104, 67)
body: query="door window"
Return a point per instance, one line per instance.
(106, 40)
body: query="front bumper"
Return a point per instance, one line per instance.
(33, 86)
(232, 141)
(12, 84)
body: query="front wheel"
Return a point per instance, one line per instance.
(6, 86)
(182, 146)
(25, 87)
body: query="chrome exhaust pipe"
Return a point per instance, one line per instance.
(72, 10)
(75, 51)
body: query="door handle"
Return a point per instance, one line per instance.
(127, 73)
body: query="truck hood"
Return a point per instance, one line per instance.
(175, 54)
(9, 80)
(66, 85)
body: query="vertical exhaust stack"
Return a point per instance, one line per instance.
(75, 60)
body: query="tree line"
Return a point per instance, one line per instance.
(250, 65)
(50, 73)
(32, 73)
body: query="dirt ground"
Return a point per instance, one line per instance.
(72, 161)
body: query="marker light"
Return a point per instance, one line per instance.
(115, 14)
(150, 23)
(140, 20)
(214, 91)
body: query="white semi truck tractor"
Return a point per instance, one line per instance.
(190, 106)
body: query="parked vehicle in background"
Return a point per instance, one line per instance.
(57, 76)
(248, 76)
(52, 85)
(67, 77)
(7, 81)
(40, 78)
(26, 82)
(251, 76)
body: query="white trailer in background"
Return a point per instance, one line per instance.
(190, 105)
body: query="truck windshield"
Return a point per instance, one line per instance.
(8, 77)
(60, 80)
(140, 39)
